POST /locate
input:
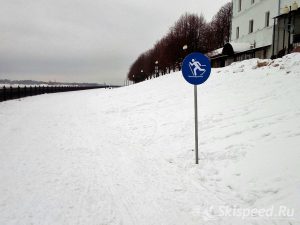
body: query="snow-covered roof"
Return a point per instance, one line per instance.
(215, 52)
(240, 47)
(237, 47)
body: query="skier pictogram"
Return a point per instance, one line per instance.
(195, 66)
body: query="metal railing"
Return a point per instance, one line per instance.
(9, 92)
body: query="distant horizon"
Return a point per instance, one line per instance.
(27, 81)
(49, 81)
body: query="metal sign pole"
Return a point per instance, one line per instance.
(196, 123)
(196, 69)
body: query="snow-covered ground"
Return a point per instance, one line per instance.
(125, 156)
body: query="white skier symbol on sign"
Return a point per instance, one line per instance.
(196, 66)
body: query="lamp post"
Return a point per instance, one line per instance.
(156, 69)
(184, 48)
(142, 71)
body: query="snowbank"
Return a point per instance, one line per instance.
(125, 156)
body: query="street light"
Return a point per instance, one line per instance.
(156, 68)
(142, 71)
(184, 48)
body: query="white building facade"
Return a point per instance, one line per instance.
(260, 29)
(252, 23)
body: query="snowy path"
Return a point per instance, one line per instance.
(81, 172)
(124, 156)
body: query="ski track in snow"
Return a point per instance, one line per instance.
(125, 156)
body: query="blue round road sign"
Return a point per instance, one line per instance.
(196, 68)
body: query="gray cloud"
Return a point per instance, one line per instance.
(91, 40)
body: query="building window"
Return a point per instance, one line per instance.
(252, 1)
(267, 19)
(240, 5)
(251, 26)
(237, 33)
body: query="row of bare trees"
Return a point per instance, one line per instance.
(191, 31)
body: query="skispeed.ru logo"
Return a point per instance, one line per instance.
(277, 213)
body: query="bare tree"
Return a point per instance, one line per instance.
(221, 25)
(191, 30)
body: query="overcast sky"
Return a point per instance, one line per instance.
(85, 40)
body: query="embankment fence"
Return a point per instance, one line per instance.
(9, 92)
